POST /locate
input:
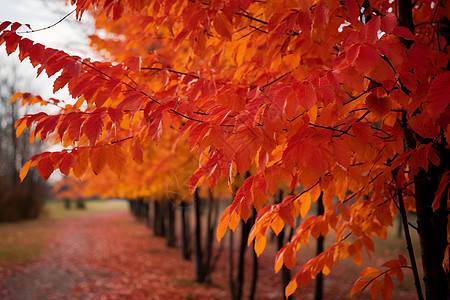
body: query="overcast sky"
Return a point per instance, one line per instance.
(69, 35)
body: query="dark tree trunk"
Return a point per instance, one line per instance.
(432, 226)
(236, 284)
(186, 246)
(432, 229)
(158, 219)
(204, 262)
(81, 204)
(318, 292)
(170, 232)
(199, 266)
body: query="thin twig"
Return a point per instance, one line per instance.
(48, 27)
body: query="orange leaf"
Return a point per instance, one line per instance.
(358, 286)
(80, 162)
(388, 286)
(116, 159)
(370, 272)
(20, 126)
(24, 170)
(260, 244)
(375, 288)
(223, 224)
(291, 287)
(97, 158)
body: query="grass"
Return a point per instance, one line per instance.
(21, 242)
(55, 210)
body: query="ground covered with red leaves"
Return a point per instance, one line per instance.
(112, 256)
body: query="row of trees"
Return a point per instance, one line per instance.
(346, 102)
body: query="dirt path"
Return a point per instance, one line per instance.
(112, 256)
(106, 256)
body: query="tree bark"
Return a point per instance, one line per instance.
(318, 292)
(432, 229)
(186, 247)
(199, 266)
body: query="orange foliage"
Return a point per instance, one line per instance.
(313, 95)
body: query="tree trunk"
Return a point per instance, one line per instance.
(236, 284)
(432, 229)
(158, 219)
(199, 266)
(318, 292)
(186, 247)
(170, 232)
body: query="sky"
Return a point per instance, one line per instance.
(69, 35)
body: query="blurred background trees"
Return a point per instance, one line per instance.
(17, 200)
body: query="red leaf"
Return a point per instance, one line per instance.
(388, 22)
(117, 10)
(439, 95)
(45, 167)
(66, 163)
(93, 127)
(379, 106)
(353, 10)
(445, 181)
(137, 151)
(362, 131)
(306, 96)
(25, 46)
(369, 33)
(116, 115)
(4, 25)
(403, 32)
(132, 102)
(367, 59)
(12, 40)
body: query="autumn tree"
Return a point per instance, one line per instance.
(344, 100)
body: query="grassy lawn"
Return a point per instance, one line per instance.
(20, 242)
